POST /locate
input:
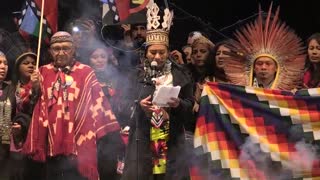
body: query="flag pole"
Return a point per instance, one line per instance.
(40, 34)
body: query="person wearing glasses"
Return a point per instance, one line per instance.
(70, 116)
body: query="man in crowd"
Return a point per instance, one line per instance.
(129, 51)
(273, 59)
(70, 115)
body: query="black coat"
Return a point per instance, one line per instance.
(140, 131)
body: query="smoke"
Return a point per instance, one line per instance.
(303, 159)
(260, 164)
(253, 159)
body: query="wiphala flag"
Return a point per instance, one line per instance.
(255, 133)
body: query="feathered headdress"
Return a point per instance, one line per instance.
(267, 38)
(155, 34)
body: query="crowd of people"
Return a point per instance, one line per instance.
(88, 113)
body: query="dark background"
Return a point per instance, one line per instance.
(218, 19)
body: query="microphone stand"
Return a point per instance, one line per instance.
(137, 128)
(138, 138)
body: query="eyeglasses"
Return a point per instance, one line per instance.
(65, 49)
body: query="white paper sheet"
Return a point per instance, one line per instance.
(164, 94)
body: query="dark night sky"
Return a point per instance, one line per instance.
(302, 15)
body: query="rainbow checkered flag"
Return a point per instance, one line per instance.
(255, 133)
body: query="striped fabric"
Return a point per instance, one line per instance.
(124, 11)
(255, 133)
(30, 20)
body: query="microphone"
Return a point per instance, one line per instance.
(153, 67)
(150, 72)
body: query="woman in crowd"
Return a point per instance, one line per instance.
(311, 78)
(158, 158)
(187, 50)
(7, 109)
(26, 95)
(208, 61)
(113, 85)
(202, 58)
(222, 51)
(111, 79)
(105, 70)
(156, 148)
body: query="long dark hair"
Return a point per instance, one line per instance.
(213, 70)
(314, 70)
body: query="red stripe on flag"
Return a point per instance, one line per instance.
(50, 13)
(123, 7)
(139, 8)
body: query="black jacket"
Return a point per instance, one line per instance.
(140, 129)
